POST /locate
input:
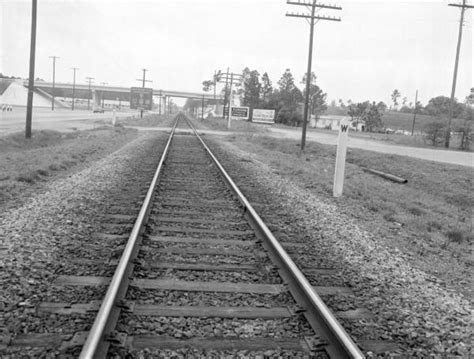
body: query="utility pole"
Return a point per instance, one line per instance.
(54, 77)
(161, 98)
(463, 7)
(143, 86)
(90, 93)
(202, 107)
(229, 80)
(414, 113)
(225, 93)
(313, 5)
(31, 79)
(103, 96)
(74, 85)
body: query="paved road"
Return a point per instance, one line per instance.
(453, 157)
(63, 120)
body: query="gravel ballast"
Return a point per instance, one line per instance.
(37, 238)
(410, 307)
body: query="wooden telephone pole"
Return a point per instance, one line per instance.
(229, 78)
(143, 86)
(313, 19)
(463, 7)
(31, 78)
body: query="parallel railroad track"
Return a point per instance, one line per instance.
(200, 274)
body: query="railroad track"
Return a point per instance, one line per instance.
(200, 274)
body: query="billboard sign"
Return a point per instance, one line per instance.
(263, 116)
(141, 98)
(240, 112)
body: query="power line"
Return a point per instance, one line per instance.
(463, 7)
(312, 18)
(143, 86)
(229, 76)
(143, 79)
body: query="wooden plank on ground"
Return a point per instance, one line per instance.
(204, 231)
(206, 311)
(210, 241)
(198, 221)
(37, 340)
(198, 286)
(199, 251)
(75, 280)
(226, 207)
(221, 343)
(206, 266)
(68, 308)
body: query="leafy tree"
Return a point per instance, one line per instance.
(404, 101)
(288, 93)
(251, 88)
(439, 107)
(435, 132)
(208, 85)
(316, 97)
(341, 103)
(465, 129)
(289, 116)
(395, 96)
(367, 112)
(266, 89)
(382, 107)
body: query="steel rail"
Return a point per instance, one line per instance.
(318, 314)
(96, 333)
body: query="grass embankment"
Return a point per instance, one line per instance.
(25, 163)
(429, 218)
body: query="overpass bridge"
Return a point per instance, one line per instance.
(98, 93)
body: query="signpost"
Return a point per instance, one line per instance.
(341, 157)
(238, 113)
(263, 116)
(141, 98)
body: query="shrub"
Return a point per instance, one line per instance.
(289, 116)
(435, 132)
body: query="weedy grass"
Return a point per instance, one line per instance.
(429, 218)
(220, 124)
(148, 120)
(24, 163)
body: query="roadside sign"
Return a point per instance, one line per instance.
(341, 157)
(141, 98)
(263, 116)
(239, 113)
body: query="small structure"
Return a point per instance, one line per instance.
(332, 122)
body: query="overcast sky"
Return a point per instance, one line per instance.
(377, 47)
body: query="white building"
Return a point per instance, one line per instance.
(332, 122)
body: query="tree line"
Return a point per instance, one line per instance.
(258, 91)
